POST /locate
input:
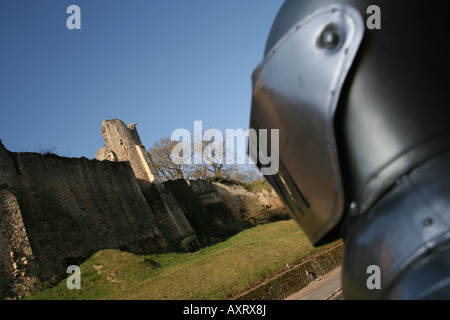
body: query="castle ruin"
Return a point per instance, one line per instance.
(57, 211)
(122, 143)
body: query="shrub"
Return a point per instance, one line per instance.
(257, 186)
(190, 244)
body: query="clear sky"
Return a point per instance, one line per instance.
(161, 63)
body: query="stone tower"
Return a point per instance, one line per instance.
(122, 143)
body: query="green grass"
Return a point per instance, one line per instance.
(216, 272)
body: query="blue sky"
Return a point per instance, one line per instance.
(161, 63)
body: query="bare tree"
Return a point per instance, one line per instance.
(166, 168)
(208, 158)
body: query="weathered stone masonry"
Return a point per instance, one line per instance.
(124, 144)
(57, 211)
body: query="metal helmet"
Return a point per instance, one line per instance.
(359, 92)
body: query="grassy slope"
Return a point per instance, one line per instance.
(216, 272)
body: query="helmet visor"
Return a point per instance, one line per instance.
(296, 90)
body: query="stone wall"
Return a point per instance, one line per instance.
(173, 203)
(17, 267)
(57, 211)
(213, 203)
(287, 283)
(202, 221)
(258, 206)
(172, 221)
(122, 143)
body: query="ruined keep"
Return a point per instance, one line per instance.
(122, 143)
